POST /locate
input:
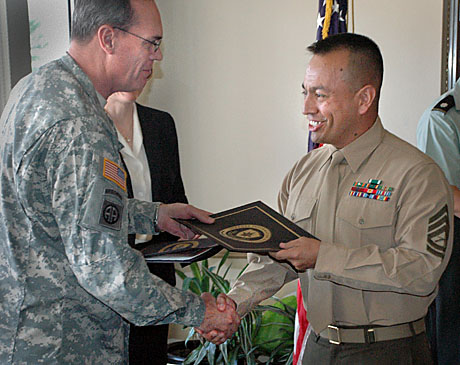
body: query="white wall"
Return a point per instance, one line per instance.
(409, 34)
(231, 77)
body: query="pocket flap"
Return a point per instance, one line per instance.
(303, 209)
(368, 214)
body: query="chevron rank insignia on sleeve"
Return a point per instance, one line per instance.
(438, 233)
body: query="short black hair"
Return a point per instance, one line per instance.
(365, 56)
(89, 15)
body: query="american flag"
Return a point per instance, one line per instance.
(114, 173)
(331, 20)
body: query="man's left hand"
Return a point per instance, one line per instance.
(301, 253)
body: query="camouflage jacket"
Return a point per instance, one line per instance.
(68, 278)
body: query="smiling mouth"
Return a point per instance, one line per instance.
(315, 125)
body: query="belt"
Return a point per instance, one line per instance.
(338, 335)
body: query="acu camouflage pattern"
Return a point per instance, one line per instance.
(67, 282)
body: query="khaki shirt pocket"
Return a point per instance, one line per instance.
(302, 212)
(364, 222)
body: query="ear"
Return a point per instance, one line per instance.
(106, 38)
(365, 97)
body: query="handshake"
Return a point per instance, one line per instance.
(220, 320)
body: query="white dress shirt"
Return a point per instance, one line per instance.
(138, 167)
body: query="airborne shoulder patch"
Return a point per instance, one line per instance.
(111, 215)
(438, 232)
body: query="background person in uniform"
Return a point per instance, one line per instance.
(151, 154)
(382, 213)
(438, 135)
(69, 282)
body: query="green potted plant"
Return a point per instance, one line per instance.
(265, 335)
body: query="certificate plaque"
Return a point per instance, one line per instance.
(184, 252)
(253, 227)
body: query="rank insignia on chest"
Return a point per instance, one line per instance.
(114, 173)
(373, 189)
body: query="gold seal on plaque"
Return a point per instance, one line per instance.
(250, 233)
(179, 246)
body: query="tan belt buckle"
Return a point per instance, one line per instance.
(333, 332)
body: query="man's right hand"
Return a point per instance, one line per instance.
(178, 210)
(221, 319)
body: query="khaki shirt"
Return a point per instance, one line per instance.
(387, 256)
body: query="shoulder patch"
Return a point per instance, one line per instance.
(114, 173)
(445, 104)
(111, 215)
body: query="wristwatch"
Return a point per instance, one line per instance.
(155, 217)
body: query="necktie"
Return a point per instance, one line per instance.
(325, 220)
(320, 297)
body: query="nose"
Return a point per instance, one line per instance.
(156, 55)
(309, 105)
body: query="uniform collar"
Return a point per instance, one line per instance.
(360, 149)
(101, 100)
(89, 89)
(80, 75)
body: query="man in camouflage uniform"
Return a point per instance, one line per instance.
(68, 279)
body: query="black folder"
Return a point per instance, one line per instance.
(184, 252)
(253, 227)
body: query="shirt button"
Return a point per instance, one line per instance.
(292, 217)
(361, 221)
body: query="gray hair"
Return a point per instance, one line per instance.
(89, 15)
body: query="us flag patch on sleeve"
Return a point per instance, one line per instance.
(114, 173)
(438, 233)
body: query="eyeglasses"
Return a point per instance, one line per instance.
(156, 43)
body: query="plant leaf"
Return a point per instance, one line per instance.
(222, 261)
(195, 270)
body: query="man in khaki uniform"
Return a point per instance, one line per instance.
(382, 212)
